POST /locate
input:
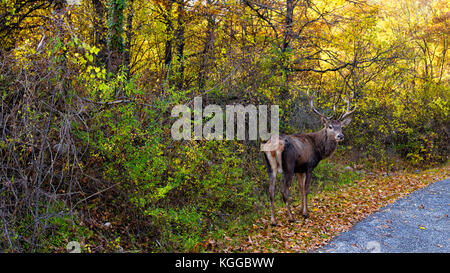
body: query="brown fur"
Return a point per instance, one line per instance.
(273, 152)
(300, 153)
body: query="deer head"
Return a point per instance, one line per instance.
(333, 127)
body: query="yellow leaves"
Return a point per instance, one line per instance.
(440, 104)
(89, 57)
(95, 72)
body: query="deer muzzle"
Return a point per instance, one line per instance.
(340, 137)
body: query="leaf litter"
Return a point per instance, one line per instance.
(331, 212)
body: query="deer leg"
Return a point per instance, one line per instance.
(272, 180)
(272, 171)
(305, 191)
(301, 180)
(285, 192)
(278, 156)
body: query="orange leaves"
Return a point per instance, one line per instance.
(330, 213)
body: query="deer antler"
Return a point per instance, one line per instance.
(347, 111)
(311, 103)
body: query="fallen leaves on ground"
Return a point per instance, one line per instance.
(331, 212)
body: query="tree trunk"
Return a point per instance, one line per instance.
(180, 41)
(115, 31)
(288, 27)
(169, 32)
(286, 40)
(100, 31)
(129, 36)
(208, 47)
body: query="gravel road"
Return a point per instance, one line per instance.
(418, 222)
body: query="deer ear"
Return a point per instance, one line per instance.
(346, 121)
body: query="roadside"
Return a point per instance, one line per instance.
(416, 223)
(331, 214)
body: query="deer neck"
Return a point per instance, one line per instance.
(325, 146)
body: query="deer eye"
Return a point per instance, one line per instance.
(330, 126)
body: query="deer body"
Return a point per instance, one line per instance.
(299, 154)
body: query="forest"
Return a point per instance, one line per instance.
(87, 88)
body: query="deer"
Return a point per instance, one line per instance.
(300, 153)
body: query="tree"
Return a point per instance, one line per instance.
(208, 45)
(115, 34)
(100, 30)
(20, 17)
(129, 38)
(180, 42)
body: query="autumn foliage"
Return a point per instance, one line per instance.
(87, 90)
